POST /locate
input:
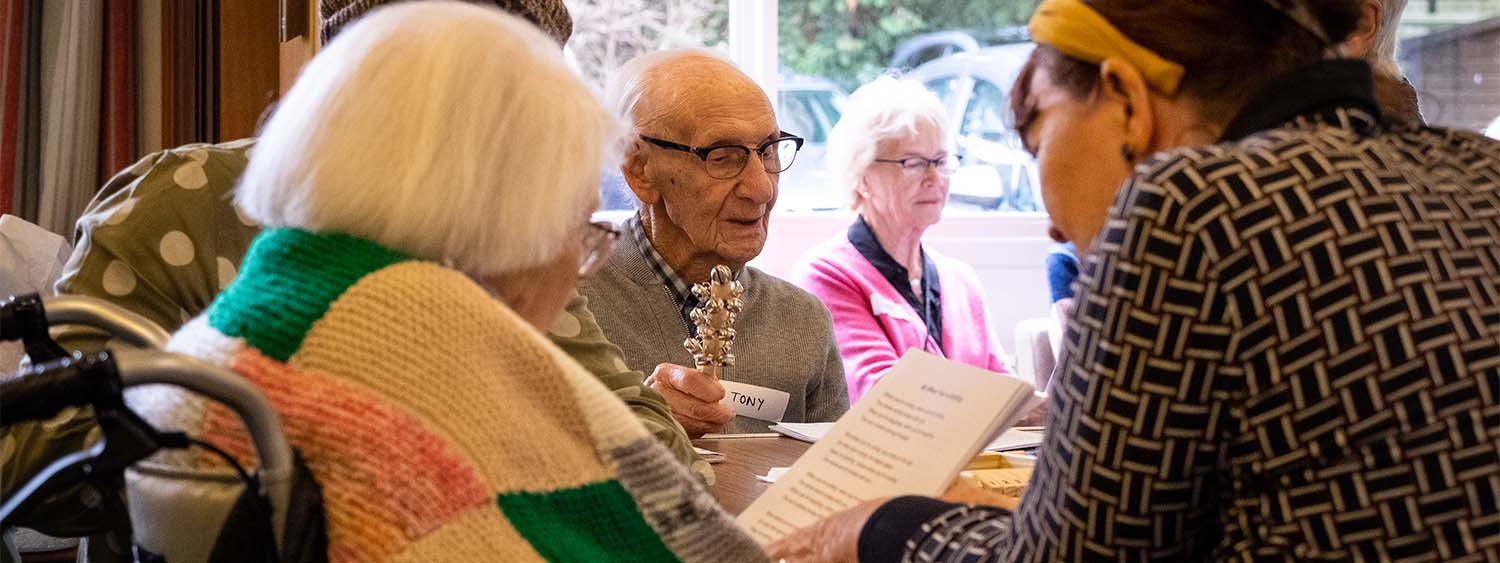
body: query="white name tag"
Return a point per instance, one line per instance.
(759, 403)
(879, 305)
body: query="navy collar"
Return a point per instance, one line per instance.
(930, 307)
(1316, 91)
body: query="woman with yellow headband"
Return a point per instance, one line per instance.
(1287, 338)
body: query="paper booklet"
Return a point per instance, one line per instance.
(1009, 440)
(910, 435)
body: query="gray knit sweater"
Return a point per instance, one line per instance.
(784, 335)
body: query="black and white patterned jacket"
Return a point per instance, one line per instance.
(1286, 346)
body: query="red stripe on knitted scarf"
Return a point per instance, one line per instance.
(387, 479)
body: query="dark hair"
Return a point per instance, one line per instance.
(1229, 49)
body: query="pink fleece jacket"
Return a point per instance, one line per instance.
(875, 326)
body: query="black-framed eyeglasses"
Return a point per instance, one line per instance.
(916, 166)
(598, 240)
(727, 161)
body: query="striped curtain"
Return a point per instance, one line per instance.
(19, 122)
(117, 115)
(72, 45)
(10, 100)
(68, 105)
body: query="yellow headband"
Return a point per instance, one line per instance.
(1075, 29)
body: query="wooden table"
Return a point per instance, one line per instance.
(745, 458)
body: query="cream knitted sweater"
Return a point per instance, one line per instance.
(440, 426)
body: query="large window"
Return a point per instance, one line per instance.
(1450, 51)
(607, 33)
(966, 52)
(812, 53)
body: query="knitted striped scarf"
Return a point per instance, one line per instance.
(440, 425)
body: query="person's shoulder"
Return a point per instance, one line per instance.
(425, 294)
(773, 285)
(835, 254)
(1205, 181)
(944, 261)
(949, 264)
(165, 175)
(624, 268)
(784, 294)
(191, 167)
(616, 277)
(1446, 142)
(1181, 164)
(408, 278)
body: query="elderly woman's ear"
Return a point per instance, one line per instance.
(861, 193)
(1121, 83)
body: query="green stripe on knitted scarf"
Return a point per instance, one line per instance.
(594, 522)
(288, 280)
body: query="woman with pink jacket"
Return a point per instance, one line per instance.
(886, 292)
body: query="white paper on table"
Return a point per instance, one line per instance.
(808, 432)
(1015, 440)
(1008, 440)
(773, 474)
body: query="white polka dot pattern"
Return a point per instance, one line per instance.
(566, 325)
(226, 272)
(190, 176)
(176, 249)
(118, 280)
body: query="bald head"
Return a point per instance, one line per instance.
(692, 105)
(670, 92)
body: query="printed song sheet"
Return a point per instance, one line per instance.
(911, 434)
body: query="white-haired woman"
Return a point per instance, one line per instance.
(426, 188)
(886, 292)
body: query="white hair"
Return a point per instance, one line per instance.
(887, 108)
(634, 82)
(451, 132)
(1382, 55)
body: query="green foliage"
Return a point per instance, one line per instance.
(851, 41)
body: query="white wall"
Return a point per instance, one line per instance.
(1008, 251)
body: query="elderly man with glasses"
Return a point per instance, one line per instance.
(704, 166)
